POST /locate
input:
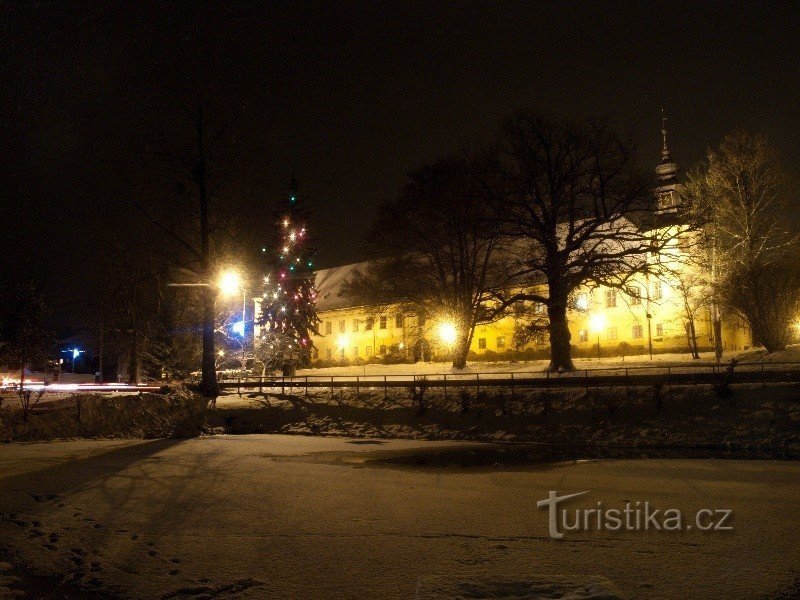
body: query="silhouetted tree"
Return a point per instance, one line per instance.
(443, 250)
(580, 213)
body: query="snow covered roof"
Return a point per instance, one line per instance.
(330, 283)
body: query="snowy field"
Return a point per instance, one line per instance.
(300, 517)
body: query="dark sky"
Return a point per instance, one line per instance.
(348, 96)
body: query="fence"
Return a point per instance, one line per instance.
(704, 374)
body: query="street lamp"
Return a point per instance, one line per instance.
(230, 282)
(597, 323)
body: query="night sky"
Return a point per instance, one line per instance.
(349, 97)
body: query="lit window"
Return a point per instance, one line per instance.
(611, 298)
(482, 343)
(660, 329)
(355, 350)
(398, 321)
(636, 332)
(328, 327)
(383, 349)
(328, 353)
(341, 352)
(612, 333)
(539, 308)
(635, 293)
(355, 325)
(370, 324)
(382, 323)
(658, 290)
(501, 342)
(369, 350)
(583, 335)
(342, 326)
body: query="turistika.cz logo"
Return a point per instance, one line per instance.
(634, 516)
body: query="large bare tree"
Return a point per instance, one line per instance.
(443, 250)
(580, 213)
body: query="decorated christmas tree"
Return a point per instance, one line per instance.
(288, 313)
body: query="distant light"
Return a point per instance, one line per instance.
(221, 352)
(448, 333)
(238, 328)
(286, 222)
(76, 353)
(582, 302)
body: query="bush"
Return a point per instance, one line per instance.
(178, 413)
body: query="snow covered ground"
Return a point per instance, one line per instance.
(305, 517)
(791, 354)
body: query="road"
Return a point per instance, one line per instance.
(303, 517)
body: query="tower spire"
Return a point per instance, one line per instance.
(665, 150)
(666, 169)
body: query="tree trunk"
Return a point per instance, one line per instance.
(208, 385)
(560, 351)
(461, 349)
(693, 339)
(133, 359)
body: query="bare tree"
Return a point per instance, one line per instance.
(25, 339)
(753, 251)
(194, 216)
(580, 212)
(443, 250)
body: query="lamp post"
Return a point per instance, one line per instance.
(596, 323)
(230, 283)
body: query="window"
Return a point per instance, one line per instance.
(658, 291)
(355, 350)
(341, 352)
(481, 343)
(383, 349)
(341, 326)
(355, 325)
(539, 308)
(370, 324)
(611, 298)
(328, 327)
(583, 335)
(636, 332)
(328, 353)
(398, 321)
(612, 333)
(635, 293)
(314, 353)
(659, 330)
(501, 341)
(382, 322)
(369, 350)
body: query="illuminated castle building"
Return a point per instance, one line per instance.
(649, 316)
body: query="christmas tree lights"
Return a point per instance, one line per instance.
(288, 314)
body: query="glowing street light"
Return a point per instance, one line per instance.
(343, 341)
(597, 322)
(229, 283)
(448, 333)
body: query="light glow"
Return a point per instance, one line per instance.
(343, 341)
(229, 283)
(447, 333)
(238, 328)
(597, 322)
